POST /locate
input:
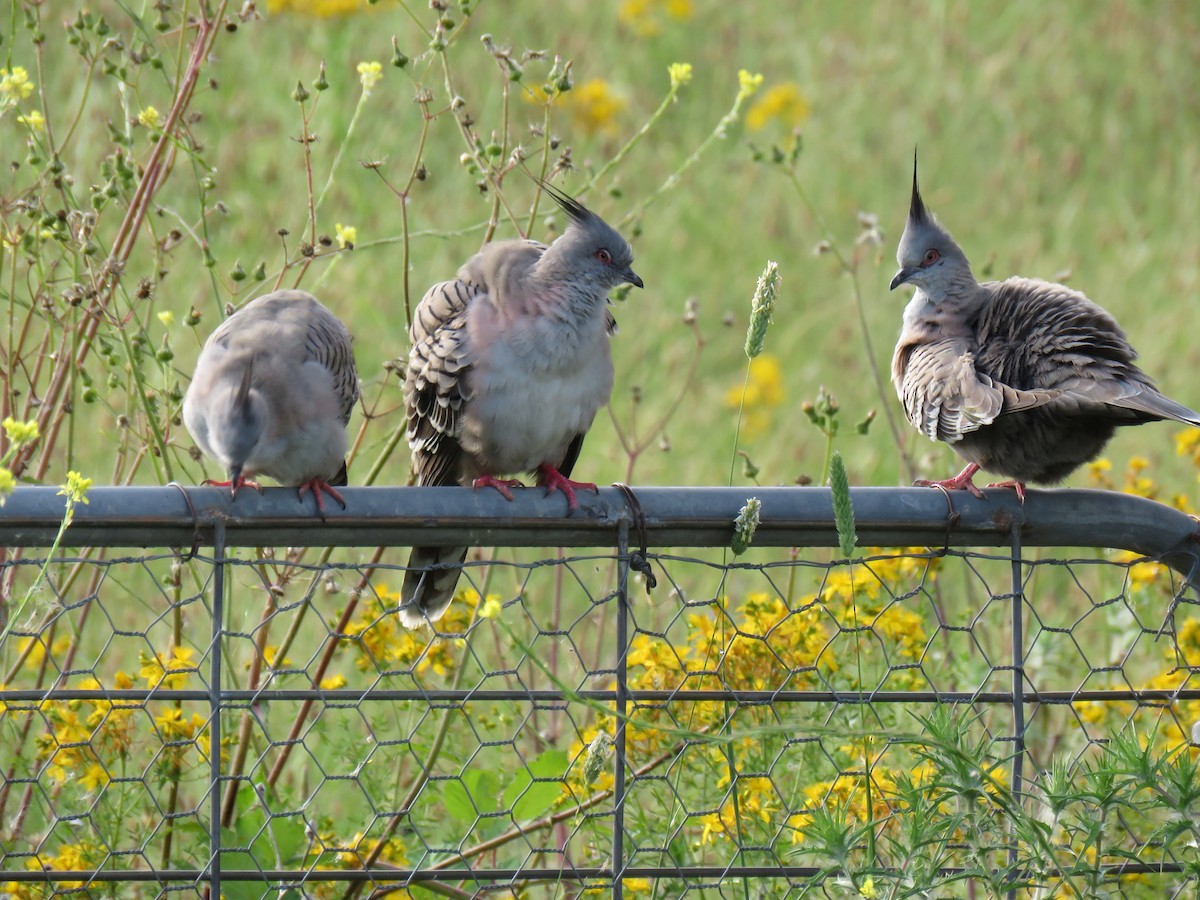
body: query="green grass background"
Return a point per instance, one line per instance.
(1054, 138)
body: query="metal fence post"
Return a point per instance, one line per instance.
(214, 694)
(1018, 684)
(622, 709)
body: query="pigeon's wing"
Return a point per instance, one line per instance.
(435, 388)
(290, 329)
(1043, 336)
(326, 341)
(945, 396)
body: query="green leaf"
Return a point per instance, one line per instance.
(476, 793)
(529, 799)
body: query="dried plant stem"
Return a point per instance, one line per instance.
(331, 646)
(422, 777)
(51, 413)
(851, 272)
(563, 815)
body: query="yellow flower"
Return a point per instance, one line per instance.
(76, 488)
(333, 682)
(173, 673)
(681, 74)
(748, 84)
(1143, 572)
(95, 778)
(868, 889)
(594, 106)
(70, 730)
(33, 120)
(369, 74)
(167, 318)
(798, 822)
(323, 9)
(1090, 712)
(1138, 484)
(783, 103)
(270, 652)
(491, 607)
(170, 724)
(347, 235)
(14, 85)
(1187, 442)
(149, 117)
(647, 17)
(21, 432)
(759, 394)
(7, 483)
(1098, 471)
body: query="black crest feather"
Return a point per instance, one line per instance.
(572, 207)
(916, 207)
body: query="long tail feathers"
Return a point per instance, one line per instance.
(429, 584)
(342, 478)
(1155, 406)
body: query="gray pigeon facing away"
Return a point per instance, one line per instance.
(272, 395)
(510, 362)
(1024, 378)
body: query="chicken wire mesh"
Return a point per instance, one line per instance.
(252, 721)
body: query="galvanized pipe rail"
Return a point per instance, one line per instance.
(673, 517)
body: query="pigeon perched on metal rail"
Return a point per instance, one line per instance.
(1023, 378)
(272, 395)
(510, 362)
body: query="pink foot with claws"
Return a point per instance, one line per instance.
(234, 484)
(553, 480)
(500, 484)
(960, 482)
(317, 486)
(1018, 486)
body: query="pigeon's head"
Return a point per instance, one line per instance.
(928, 256)
(590, 248)
(238, 426)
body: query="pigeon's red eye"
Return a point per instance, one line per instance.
(604, 256)
(931, 256)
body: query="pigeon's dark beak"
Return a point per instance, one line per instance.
(235, 481)
(900, 278)
(631, 277)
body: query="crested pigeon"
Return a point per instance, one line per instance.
(510, 362)
(272, 395)
(1024, 378)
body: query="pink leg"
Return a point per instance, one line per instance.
(553, 480)
(234, 485)
(317, 486)
(960, 482)
(500, 484)
(1018, 486)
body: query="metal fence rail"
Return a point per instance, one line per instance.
(243, 717)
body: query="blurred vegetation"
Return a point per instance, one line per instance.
(168, 161)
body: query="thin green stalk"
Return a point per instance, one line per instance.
(337, 159)
(633, 141)
(718, 133)
(845, 265)
(75, 491)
